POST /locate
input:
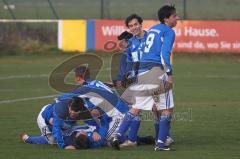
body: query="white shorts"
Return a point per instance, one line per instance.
(165, 100)
(45, 131)
(114, 126)
(140, 95)
(162, 101)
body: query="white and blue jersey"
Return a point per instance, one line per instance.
(47, 113)
(62, 121)
(69, 135)
(61, 112)
(158, 47)
(134, 53)
(101, 96)
(110, 105)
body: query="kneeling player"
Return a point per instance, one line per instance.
(106, 100)
(56, 118)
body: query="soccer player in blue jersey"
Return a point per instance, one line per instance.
(136, 44)
(58, 117)
(106, 100)
(155, 79)
(134, 54)
(45, 122)
(82, 137)
(109, 112)
(65, 115)
(123, 45)
(77, 137)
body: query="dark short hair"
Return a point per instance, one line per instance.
(76, 104)
(82, 71)
(165, 12)
(81, 141)
(125, 35)
(131, 17)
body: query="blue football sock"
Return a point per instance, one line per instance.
(164, 126)
(127, 120)
(37, 140)
(132, 135)
(156, 126)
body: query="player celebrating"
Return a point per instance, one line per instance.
(136, 44)
(77, 137)
(134, 54)
(155, 78)
(105, 99)
(123, 45)
(60, 116)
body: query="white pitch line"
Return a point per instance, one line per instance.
(35, 76)
(210, 76)
(23, 76)
(28, 20)
(71, 73)
(26, 99)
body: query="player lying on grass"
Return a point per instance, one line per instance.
(61, 116)
(95, 138)
(83, 137)
(76, 137)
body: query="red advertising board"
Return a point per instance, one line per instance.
(191, 36)
(107, 31)
(210, 36)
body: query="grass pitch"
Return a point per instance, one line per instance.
(206, 118)
(115, 9)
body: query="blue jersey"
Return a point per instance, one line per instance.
(134, 53)
(59, 111)
(101, 96)
(101, 129)
(158, 47)
(47, 113)
(60, 116)
(62, 120)
(122, 71)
